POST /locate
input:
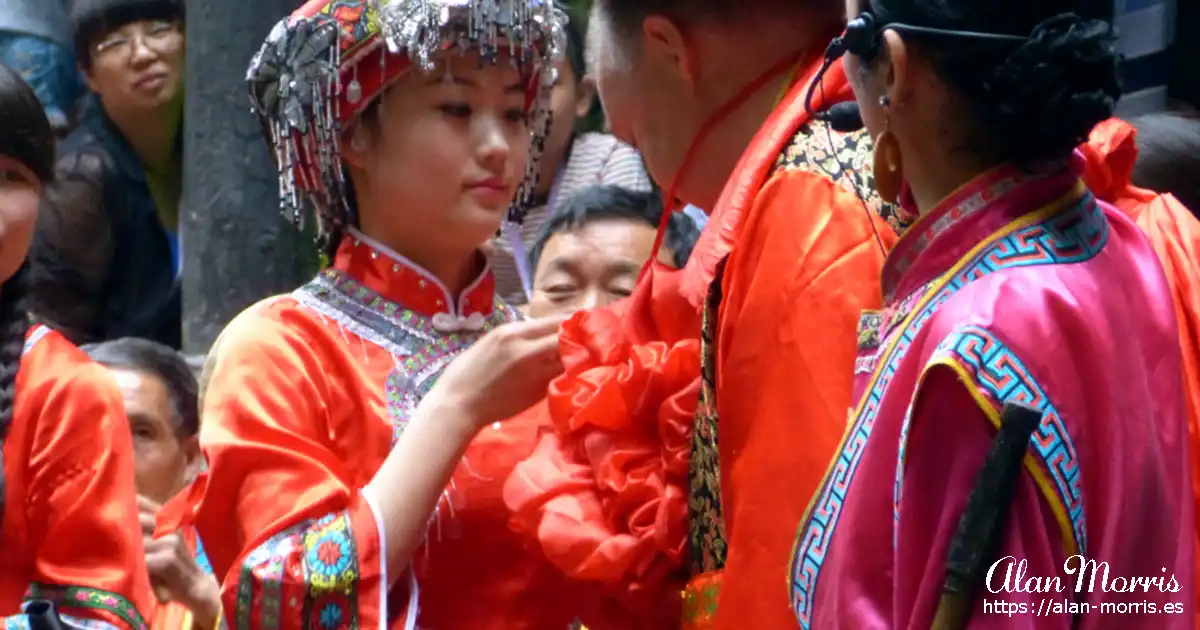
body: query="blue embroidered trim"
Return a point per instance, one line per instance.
(996, 370)
(896, 490)
(1074, 235)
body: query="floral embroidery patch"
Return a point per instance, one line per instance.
(323, 554)
(331, 571)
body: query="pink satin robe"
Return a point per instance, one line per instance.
(1016, 288)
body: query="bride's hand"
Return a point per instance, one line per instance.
(504, 373)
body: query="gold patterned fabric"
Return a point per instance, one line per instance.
(707, 526)
(845, 158)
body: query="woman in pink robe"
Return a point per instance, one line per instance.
(1015, 285)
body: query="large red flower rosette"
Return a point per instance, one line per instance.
(605, 493)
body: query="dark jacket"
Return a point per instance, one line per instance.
(102, 264)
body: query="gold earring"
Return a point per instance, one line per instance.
(888, 162)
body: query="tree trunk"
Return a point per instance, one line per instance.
(237, 246)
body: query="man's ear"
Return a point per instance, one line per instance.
(88, 79)
(194, 460)
(669, 43)
(586, 97)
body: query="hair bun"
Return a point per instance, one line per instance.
(1045, 98)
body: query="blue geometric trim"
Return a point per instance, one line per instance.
(1073, 235)
(897, 488)
(997, 371)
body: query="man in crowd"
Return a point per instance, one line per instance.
(789, 260)
(160, 394)
(105, 260)
(589, 252)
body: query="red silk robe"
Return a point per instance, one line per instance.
(607, 496)
(307, 394)
(70, 532)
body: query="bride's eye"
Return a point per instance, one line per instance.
(13, 176)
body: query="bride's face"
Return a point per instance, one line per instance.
(442, 154)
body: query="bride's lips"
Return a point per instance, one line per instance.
(490, 191)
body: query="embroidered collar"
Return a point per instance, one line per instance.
(966, 200)
(1005, 191)
(398, 279)
(36, 333)
(402, 332)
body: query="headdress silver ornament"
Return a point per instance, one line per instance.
(322, 66)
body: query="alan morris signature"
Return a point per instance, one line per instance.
(1008, 575)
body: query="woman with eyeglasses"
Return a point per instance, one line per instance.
(68, 513)
(1014, 286)
(107, 262)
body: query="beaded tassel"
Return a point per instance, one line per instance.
(297, 77)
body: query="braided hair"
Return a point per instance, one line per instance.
(27, 137)
(14, 324)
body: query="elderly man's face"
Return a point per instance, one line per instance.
(594, 265)
(162, 455)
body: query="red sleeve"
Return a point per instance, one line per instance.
(81, 500)
(296, 543)
(806, 266)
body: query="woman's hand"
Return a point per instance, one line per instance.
(502, 374)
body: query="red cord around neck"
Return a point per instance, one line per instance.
(710, 123)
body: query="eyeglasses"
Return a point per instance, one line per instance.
(156, 35)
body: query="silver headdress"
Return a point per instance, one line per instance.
(319, 69)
